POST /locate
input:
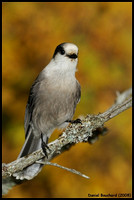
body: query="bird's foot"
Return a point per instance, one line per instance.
(76, 121)
(44, 145)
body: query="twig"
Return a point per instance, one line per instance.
(62, 167)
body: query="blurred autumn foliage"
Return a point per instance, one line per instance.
(103, 33)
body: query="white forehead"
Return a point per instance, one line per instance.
(70, 48)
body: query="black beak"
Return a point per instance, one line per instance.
(72, 56)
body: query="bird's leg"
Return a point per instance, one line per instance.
(44, 145)
(76, 121)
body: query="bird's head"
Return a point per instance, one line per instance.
(66, 53)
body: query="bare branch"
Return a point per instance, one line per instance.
(73, 134)
(65, 168)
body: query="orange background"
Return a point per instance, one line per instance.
(103, 33)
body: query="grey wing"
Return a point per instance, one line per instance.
(30, 105)
(78, 93)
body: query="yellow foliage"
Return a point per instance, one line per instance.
(103, 33)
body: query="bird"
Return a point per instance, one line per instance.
(51, 104)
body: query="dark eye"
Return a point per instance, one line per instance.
(62, 51)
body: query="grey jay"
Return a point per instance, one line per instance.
(51, 104)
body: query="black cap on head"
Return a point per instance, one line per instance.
(59, 49)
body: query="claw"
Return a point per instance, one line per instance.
(76, 121)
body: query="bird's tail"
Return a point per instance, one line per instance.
(32, 143)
